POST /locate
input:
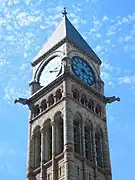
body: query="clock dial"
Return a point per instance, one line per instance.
(83, 71)
(50, 71)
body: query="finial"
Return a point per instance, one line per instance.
(64, 12)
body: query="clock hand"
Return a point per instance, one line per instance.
(55, 70)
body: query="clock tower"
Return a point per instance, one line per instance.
(68, 138)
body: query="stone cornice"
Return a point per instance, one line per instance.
(40, 93)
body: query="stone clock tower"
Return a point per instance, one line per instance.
(68, 137)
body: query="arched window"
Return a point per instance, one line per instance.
(36, 147)
(77, 137)
(76, 95)
(99, 146)
(91, 105)
(47, 140)
(84, 100)
(58, 94)
(88, 142)
(61, 137)
(49, 144)
(51, 100)
(43, 105)
(36, 110)
(98, 110)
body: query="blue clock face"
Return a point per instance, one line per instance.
(83, 71)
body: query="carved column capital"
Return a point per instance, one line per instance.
(52, 123)
(42, 130)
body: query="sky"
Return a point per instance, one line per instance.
(109, 28)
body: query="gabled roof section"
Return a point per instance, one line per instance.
(65, 30)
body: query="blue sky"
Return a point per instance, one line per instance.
(109, 28)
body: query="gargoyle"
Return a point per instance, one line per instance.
(25, 102)
(111, 99)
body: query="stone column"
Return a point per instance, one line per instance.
(94, 154)
(68, 143)
(106, 155)
(29, 153)
(53, 150)
(85, 173)
(42, 153)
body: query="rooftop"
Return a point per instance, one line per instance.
(65, 29)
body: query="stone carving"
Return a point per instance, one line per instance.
(111, 99)
(34, 109)
(24, 102)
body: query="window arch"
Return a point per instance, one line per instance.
(58, 94)
(61, 136)
(49, 141)
(99, 146)
(84, 100)
(47, 132)
(59, 132)
(43, 105)
(76, 95)
(36, 147)
(36, 110)
(51, 100)
(91, 105)
(77, 133)
(88, 130)
(98, 110)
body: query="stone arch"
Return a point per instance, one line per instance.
(36, 141)
(78, 116)
(50, 100)
(58, 94)
(43, 63)
(91, 105)
(98, 110)
(36, 110)
(76, 95)
(58, 120)
(83, 100)
(43, 105)
(47, 132)
(99, 146)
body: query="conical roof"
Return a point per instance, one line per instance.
(65, 29)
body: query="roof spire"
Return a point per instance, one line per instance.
(64, 12)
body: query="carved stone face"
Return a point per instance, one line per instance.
(50, 71)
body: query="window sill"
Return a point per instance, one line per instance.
(36, 170)
(59, 156)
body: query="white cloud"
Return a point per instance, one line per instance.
(98, 35)
(106, 78)
(127, 80)
(98, 48)
(129, 47)
(128, 38)
(110, 32)
(108, 41)
(125, 19)
(105, 18)
(107, 66)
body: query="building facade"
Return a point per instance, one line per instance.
(68, 138)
